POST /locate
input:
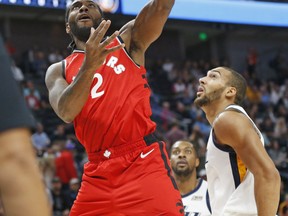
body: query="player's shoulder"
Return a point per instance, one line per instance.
(230, 124)
(55, 67)
(54, 70)
(229, 118)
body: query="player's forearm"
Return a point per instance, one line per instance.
(163, 4)
(75, 95)
(267, 193)
(22, 188)
(160, 8)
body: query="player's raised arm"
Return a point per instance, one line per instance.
(146, 28)
(150, 22)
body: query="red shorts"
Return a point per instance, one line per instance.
(138, 182)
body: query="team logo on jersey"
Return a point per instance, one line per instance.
(197, 198)
(110, 6)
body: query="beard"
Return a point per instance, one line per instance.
(209, 98)
(183, 173)
(82, 33)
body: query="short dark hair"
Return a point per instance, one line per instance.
(194, 147)
(72, 44)
(239, 82)
(67, 12)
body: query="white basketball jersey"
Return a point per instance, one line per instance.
(230, 183)
(196, 203)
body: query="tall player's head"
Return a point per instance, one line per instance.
(221, 84)
(80, 16)
(184, 159)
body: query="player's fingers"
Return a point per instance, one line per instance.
(100, 32)
(94, 32)
(108, 40)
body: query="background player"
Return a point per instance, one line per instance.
(184, 161)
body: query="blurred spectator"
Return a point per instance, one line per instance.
(168, 66)
(17, 72)
(174, 134)
(32, 101)
(187, 98)
(40, 139)
(40, 64)
(252, 60)
(47, 166)
(253, 94)
(275, 93)
(267, 128)
(280, 129)
(11, 50)
(166, 115)
(196, 71)
(64, 163)
(54, 56)
(199, 142)
(60, 199)
(203, 125)
(59, 133)
(192, 88)
(279, 65)
(285, 99)
(182, 111)
(265, 94)
(277, 154)
(74, 186)
(179, 88)
(29, 88)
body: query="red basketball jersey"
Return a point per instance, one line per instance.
(118, 109)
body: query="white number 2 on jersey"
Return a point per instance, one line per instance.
(94, 93)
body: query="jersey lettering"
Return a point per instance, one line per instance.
(118, 69)
(190, 213)
(112, 61)
(94, 93)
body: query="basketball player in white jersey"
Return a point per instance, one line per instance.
(242, 179)
(184, 161)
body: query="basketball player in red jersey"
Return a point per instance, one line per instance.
(102, 88)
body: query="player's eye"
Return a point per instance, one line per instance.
(75, 7)
(176, 152)
(92, 5)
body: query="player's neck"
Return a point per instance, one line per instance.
(213, 110)
(187, 184)
(79, 45)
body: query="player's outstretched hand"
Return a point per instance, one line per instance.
(95, 48)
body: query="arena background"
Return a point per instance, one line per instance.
(194, 31)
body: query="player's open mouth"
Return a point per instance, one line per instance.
(200, 90)
(84, 18)
(182, 163)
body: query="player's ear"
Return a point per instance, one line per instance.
(197, 162)
(68, 30)
(231, 91)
